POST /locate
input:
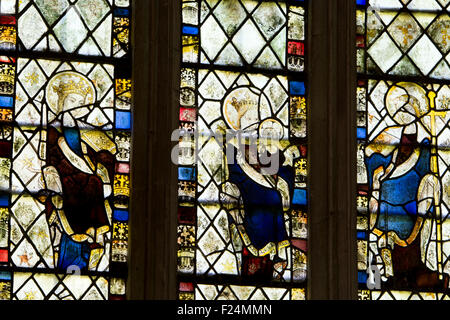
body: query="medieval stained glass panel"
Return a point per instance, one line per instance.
(242, 94)
(65, 104)
(403, 135)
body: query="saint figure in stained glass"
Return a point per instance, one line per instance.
(242, 203)
(77, 173)
(261, 176)
(406, 189)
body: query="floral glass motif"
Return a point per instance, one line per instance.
(274, 29)
(85, 27)
(403, 133)
(65, 146)
(393, 35)
(242, 72)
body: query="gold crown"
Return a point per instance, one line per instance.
(119, 191)
(7, 78)
(72, 87)
(8, 34)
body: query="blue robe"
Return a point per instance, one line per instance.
(72, 253)
(264, 216)
(398, 196)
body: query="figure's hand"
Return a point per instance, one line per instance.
(52, 179)
(290, 155)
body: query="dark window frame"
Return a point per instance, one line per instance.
(331, 100)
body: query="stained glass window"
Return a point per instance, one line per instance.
(65, 105)
(242, 191)
(403, 136)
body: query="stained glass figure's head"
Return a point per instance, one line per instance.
(248, 110)
(70, 92)
(270, 134)
(407, 102)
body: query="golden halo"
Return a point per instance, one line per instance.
(64, 83)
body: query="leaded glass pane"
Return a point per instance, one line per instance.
(85, 27)
(242, 95)
(219, 32)
(65, 147)
(413, 42)
(403, 99)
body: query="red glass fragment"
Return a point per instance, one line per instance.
(122, 167)
(186, 215)
(256, 267)
(5, 149)
(186, 287)
(7, 20)
(303, 150)
(300, 244)
(296, 48)
(360, 43)
(187, 114)
(3, 255)
(363, 189)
